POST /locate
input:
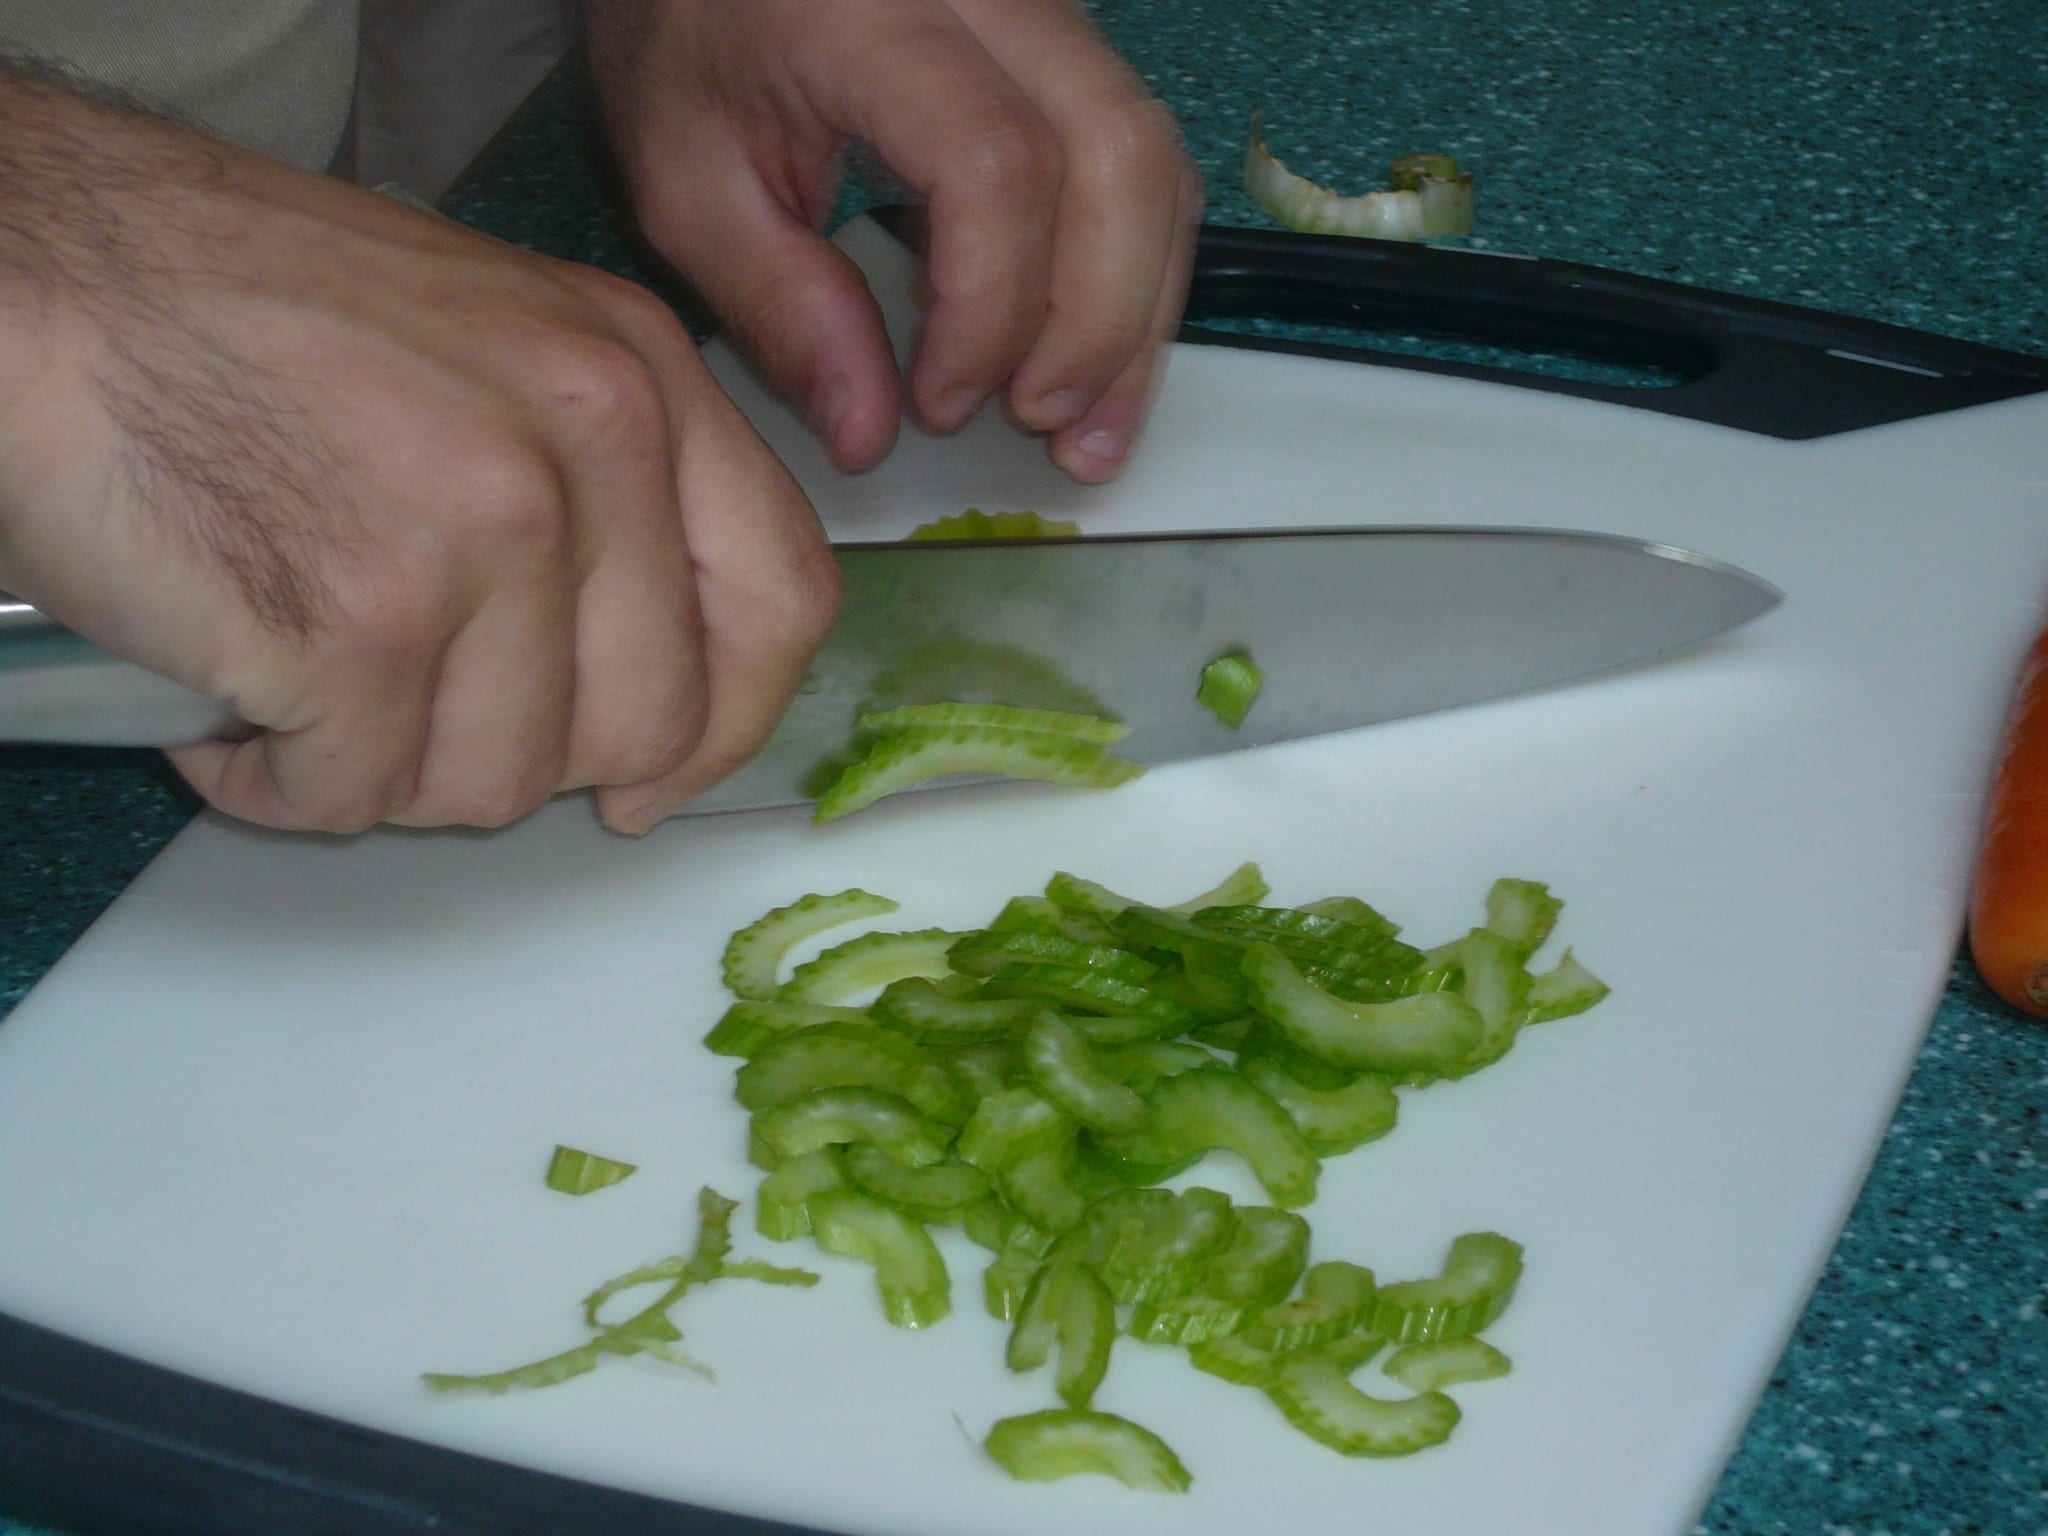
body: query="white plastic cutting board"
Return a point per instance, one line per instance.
(280, 1119)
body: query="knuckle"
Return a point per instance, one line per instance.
(603, 391)
(657, 748)
(806, 603)
(501, 802)
(1136, 144)
(1014, 155)
(387, 609)
(507, 501)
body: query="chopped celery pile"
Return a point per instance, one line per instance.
(1034, 1083)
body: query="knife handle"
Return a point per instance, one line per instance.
(1759, 366)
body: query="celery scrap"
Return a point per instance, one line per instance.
(573, 1171)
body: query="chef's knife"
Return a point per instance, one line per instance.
(1350, 627)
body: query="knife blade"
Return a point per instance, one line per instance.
(1351, 627)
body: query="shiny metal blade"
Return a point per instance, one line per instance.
(1350, 626)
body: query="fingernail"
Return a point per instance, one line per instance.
(955, 406)
(1059, 410)
(1105, 443)
(636, 820)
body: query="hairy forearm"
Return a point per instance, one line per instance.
(98, 239)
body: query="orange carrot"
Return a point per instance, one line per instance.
(2009, 894)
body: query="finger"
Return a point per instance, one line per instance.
(953, 125)
(354, 765)
(796, 303)
(1096, 447)
(768, 592)
(497, 740)
(1120, 231)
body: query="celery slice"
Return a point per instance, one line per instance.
(753, 956)
(1229, 685)
(1446, 1363)
(1141, 1063)
(1106, 1008)
(782, 1199)
(834, 1116)
(1055, 722)
(910, 1273)
(1236, 1359)
(1565, 989)
(985, 1068)
(851, 1056)
(1087, 1331)
(1026, 914)
(746, 1028)
(1072, 894)
(950, 1011)
(1314, 1391)
(936, 1192)
(1008, 1279)
(1426, 1034)
(1187, 1319)
(1523, 912)
(872, 960)
(977, 524)
(1213, 1107)
(1334, 1120)
(1035, 1330)
(918, 754)
(1037, 1187)
(1063, 1442)
(1496, 984)
(572, 1171)
(1336, 1299)
(1267, 1253)
(1150, 1249)
(1009, 1126)
(1064, 1068)
(984, 954)
(1476, 1284)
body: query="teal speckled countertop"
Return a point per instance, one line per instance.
(1864, 156)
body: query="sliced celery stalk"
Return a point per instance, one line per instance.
(572, 1171)
(1063, 1442)
(1228, 687)
(1055, 722)
(1446, 1363)
(872, 960)
(1314, 1391)
(917, 754)
(754, 955)
(1213, 1107)
(851, 1056)
(1477, 1281)
(1064, 1068)
(910, 1273)
(834, 1116)
(782, 1200)
(1425, 1035)
(1565, 989)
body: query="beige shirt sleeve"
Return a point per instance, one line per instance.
(276, 75)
